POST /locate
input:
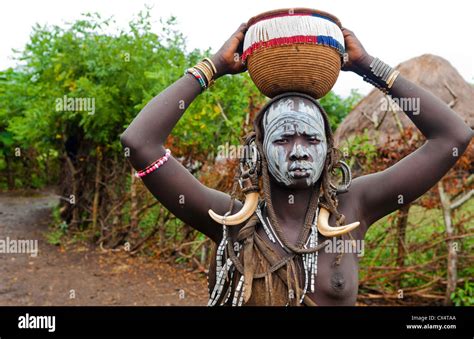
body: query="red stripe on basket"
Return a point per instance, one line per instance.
(278, 42)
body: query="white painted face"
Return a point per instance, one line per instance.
(294, 141)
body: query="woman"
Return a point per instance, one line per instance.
(274, 256)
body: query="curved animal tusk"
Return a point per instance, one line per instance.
(250, 205)
(329, 231)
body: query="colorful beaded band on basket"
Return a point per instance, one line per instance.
(154, 166)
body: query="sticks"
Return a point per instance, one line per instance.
(95, 202)
(461, 201)
(444, 239)
(452, 253)
(400, 271)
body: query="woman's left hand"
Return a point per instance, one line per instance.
(358, 56)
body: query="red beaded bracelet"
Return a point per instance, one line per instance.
(154, 166)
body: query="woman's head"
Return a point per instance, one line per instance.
(295, 135)
(294, 141)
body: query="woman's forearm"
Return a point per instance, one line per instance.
(154, 123)
(432, 117)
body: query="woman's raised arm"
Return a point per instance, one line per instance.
(447, 137)
(172, 184)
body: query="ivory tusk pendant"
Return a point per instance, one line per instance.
(250, 205)
(331, 231)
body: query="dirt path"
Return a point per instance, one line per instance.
(82, 276)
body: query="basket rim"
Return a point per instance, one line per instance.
(298, 10)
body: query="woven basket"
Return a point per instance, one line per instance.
(296, 60)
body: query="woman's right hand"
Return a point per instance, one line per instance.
(228, 58)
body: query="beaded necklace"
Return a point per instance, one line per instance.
(310, 260)
(225, 268)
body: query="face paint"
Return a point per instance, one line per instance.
(286, 119)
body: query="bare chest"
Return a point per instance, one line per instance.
(336, 278)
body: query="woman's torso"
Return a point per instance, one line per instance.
(335, 284)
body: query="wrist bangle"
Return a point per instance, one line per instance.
(209, 61)
(383, 75)
(204, 72)
(207, 71)
(373, 83)
(194, 72)
(392, 79)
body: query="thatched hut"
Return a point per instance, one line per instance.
(428, 71)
